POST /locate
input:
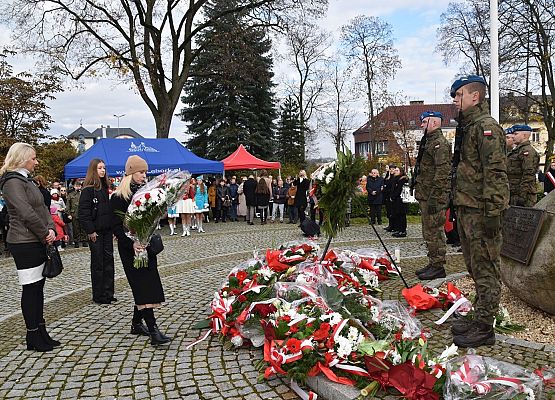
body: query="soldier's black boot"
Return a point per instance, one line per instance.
(421, 270)
(433, 272)
(137, 326)
(156, 337)
(479, 334)
(461, 326)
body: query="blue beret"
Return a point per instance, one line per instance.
(465, 80)
(517, 128)
(427, 114)
(509, 131)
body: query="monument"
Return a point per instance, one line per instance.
(532, 278)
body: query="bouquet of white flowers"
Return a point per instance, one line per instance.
(149, 204)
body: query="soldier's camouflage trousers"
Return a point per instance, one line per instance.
(523, 200)
(482, 258)
(434, 234)
(79, 235)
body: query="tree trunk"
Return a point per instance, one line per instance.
(163, 121)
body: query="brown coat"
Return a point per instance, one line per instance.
(30, 220)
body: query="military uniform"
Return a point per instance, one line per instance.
(522, 163)
(72, 208)
(431, 191)
(481, 196)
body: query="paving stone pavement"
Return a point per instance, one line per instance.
(100, 360)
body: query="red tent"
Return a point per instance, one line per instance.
(242, 159)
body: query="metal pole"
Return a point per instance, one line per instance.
(118, 117)
(494, 56)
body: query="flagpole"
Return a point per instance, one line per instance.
(494, 57)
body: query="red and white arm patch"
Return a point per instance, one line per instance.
(487, 133)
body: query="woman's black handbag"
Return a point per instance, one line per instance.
(53, 265)
(155, 245)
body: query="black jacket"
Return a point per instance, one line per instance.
(374, 185)
(95, 212)
(145, 283)
(280, 194)
(222, 192)
(249, 188)
(397, 188)
(302, 189)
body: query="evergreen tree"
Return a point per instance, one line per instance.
(229, 99)
(289, 137)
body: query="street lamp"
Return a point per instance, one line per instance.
(118, 117)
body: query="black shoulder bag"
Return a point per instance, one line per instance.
(53, 265)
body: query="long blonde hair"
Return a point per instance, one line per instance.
(18, 154)
(124, 187)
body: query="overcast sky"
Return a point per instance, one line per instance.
(423, 75)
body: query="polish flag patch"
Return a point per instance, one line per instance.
(487, 133)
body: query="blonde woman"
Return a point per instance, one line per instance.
(145, 283)
(31, 229)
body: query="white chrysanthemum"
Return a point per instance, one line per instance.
(345, 347)
(329, 177)
(334, 318)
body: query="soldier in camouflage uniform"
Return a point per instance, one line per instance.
(431, 189)
(72, 209)
(522, 163)
(481, 195)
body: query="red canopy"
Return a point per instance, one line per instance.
(242, 159)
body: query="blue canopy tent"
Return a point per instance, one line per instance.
(160, 154)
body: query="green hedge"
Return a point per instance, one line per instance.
(359, 207)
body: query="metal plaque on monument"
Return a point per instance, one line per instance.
(521, 227)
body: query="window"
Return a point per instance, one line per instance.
(535, 137)
(381, 147)
(395, 122)
(413, 122)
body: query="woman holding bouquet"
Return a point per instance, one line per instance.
(201, 202)
(145, 282)
(95, 216)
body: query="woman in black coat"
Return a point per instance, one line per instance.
(95, 215)
(398, 208)
(302, 183)
(262, 199)
(145, 282)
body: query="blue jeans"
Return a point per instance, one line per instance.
(233, 212)
(293, 214)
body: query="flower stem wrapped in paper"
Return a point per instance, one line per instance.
(149, 204)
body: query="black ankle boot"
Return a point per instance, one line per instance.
(36, 342)
(137, 326)
(46, 337)
(156, 337)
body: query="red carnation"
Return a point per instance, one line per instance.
(322, 332)
(147, 196)
(138, 203)
(242, 298)
(293, 345)
(241, 275)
